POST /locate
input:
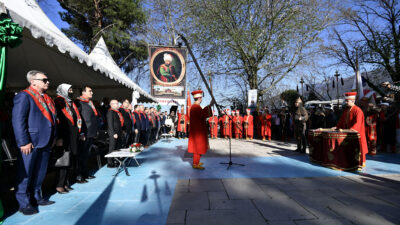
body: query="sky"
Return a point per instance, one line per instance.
(221, 86)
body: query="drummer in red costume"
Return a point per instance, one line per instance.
(353, 118)
(248, 125)
(198, 138)
(213, 123)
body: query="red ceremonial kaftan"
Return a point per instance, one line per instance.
(198, 137)
(353, 118)
(181, 127)
(248, 126)
(226, 123)
(370, 127)
(266, 122)
(213, 122)
(237, 126)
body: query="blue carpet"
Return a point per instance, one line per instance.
(144, 197)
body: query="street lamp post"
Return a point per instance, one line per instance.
(302, 90)
(337, 87)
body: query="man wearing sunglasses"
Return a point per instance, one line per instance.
(34, 121)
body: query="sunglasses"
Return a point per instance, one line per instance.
(44, 80)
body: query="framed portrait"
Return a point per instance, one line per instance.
(167, 71)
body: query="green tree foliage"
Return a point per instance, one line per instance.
(118, 21)
(258, 40)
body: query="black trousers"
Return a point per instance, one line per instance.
(83, 156)
(148, 136)
(113, 145)
(136, 138)
(62, 175)
(301, 141)
(143, 137)
(126, 139)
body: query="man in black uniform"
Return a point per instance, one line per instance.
(128, 124)
(89, 130)
(115, 122)
(138, 123)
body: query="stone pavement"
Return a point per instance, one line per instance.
(277, 186)
(357, 199)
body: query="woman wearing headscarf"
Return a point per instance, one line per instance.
(69, 126)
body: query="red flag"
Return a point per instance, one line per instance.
(188, 105)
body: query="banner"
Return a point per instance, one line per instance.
(168, 74)
(252, 98)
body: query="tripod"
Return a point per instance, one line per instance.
(230, 163)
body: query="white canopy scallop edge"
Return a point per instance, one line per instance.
(28, 14)
(101, 54)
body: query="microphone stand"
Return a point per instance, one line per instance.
(230, 163)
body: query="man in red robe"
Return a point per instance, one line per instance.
(237, 124)
(248, 125)
(198, 137)
(213, 123)
(371, 114)
(227, 125)
(182, 122)
(353, 118)
(266, 123)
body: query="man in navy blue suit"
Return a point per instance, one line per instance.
(34, 121)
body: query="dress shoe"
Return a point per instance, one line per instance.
(68, 188)
(200, 163)
(62, 192)
(198, 167)
(29, 210)
(90, 177)
(44, 202)
(81, 181)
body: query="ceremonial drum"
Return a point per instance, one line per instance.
(340, 149)
(315, 145)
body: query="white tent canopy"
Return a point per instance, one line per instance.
(46, 48)
(102, 56)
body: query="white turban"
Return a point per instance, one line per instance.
(167, 57)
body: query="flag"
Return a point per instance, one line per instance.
(362, 84)
(188, 105)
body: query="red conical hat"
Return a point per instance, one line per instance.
(197, 93)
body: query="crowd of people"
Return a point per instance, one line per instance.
(65, 127)
(65, 124)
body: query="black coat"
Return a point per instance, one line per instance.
(67, 131)
(138, 121)
(89, 119)
(128, 123)
(113, 124)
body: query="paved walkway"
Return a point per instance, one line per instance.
(277, 186)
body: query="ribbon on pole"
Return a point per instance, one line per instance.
(10, 36)
(201, 73)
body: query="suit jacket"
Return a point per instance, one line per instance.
(89, 119)
(128, 123)
(114, 124)
(138, 121)
(145, 122)
(30, 125)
